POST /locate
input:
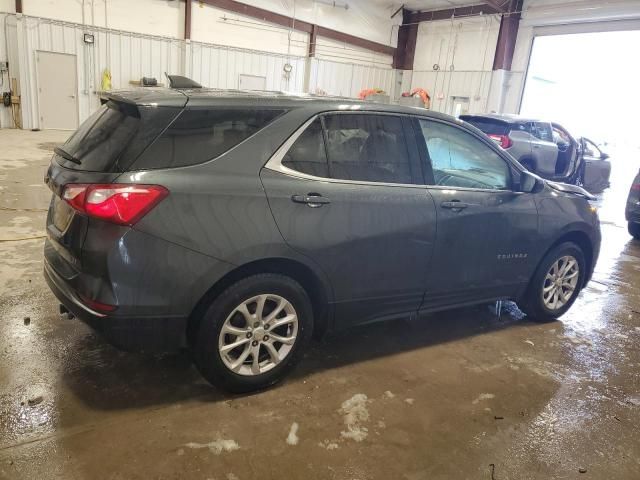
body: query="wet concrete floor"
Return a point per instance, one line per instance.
(466, 395)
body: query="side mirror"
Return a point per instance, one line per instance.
(528, 182)
(604, 156)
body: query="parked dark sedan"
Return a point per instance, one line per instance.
(242, 224)
(547, 149)
(632, 212)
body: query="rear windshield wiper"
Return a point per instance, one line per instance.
(66, 155)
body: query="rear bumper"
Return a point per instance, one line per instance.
(131, 333)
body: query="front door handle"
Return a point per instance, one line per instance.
(313, 200)
(456, 205)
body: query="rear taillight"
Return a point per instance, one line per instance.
(117, 203)
(503, 140)
(636, 187)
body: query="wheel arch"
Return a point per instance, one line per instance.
(319, 292)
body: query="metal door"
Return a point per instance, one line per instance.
(57, 90)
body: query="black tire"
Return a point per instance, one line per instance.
(634, 230)
(205, 349)
(532, 303)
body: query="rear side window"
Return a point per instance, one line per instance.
(542, 131)
(307, 154)
(111, 138)
(487, 125)
(198, 135)
(368, 147)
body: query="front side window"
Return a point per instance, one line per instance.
(307, 154)
(458, 159)
(198, 135)
(368, 147)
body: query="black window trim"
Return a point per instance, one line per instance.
(275, 162)
(514, 184)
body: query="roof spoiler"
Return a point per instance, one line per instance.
(178, 81)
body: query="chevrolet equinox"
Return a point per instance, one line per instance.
(241, 224)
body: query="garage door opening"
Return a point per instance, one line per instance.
(588, 83)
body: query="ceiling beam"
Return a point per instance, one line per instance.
(497, 4)
(431, 15)
(299, 25)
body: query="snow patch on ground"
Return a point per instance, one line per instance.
(409, 400)
(483, 396)
(217, 446)
(355, 413)
(388, 394)
(292, 438)
(328, 445)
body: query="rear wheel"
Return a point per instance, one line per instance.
(634, 230)
(556, 283)
(254, 333)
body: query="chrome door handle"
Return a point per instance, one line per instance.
(454, 205)
(313, 200)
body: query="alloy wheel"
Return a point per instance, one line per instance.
(560, 282)
(258, 334)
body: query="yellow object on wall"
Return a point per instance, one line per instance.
(106, 80)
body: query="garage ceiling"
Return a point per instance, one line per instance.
(426, 5)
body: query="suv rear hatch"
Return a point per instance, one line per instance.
(104, 146)
(496, 129)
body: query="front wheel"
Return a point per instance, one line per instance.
(634, 230)
(556, 283)
(254, 333)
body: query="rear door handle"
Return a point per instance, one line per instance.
(454, 205)
(313, 200)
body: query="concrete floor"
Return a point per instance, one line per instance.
(465, 395)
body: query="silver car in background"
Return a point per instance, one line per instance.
(547, 149)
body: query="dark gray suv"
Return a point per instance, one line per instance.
(240, 224)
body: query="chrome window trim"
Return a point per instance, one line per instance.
(275, 162)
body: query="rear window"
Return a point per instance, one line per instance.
(487, 125)
(112, 138)
(198, 135)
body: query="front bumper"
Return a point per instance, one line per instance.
(131, 333)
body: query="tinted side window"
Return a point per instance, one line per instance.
(460, 160)
(369, 148)
(198, 135)
(307, 154)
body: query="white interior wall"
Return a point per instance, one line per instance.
(151, 17)
(212, 25)
(217, 66)
(348, 79)
(455, 58)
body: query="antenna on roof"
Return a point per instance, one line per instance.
(178, 81)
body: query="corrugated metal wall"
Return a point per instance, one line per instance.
(130, 56)
(216, 66)
(471, 84)
(347, 79)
